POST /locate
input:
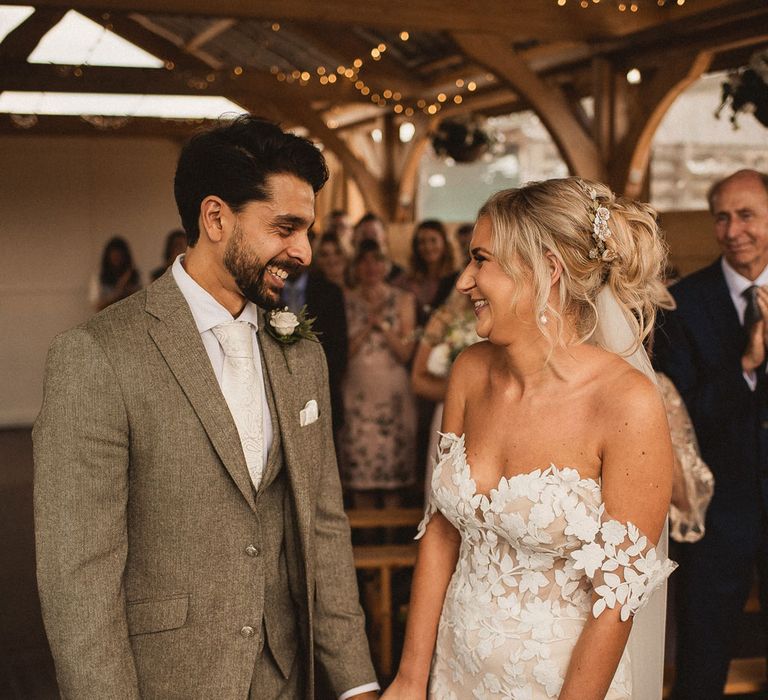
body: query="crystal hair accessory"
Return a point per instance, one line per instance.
(600, 230)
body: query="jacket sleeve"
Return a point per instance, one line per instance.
(341, 645)
(80, 500)
(702, 385)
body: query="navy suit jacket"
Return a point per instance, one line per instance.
(699, 347)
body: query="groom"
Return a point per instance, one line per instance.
(191, 541)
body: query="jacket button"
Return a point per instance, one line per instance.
(252, 551)
(247, 632)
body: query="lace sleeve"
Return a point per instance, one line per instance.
(623, 567)
(449, 446)
(693, 481)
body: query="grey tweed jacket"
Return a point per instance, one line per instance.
(144, 508)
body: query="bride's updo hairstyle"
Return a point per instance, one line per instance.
(559, 216)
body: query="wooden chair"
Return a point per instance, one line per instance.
(382, 559)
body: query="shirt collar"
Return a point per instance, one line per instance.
(206, 311)
(738, 283)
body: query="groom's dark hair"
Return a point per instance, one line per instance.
(233, 161)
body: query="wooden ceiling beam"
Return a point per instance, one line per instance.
(153, 81)
(23, 40)
(548, 101)
(58, 125)
(523, 19)
(160, 46)
(214, 29)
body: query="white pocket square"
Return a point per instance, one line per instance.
(309, 414)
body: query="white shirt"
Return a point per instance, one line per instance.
(207, 313)
(737, 284)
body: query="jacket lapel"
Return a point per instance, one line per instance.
(178, 340)
(283, 364)
(723, 313)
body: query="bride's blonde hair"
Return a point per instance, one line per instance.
(557, 216)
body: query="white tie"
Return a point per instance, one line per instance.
(241, 386)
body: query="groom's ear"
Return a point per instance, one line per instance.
(555, 268)
(212, 212)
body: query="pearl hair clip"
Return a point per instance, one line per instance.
(600, 230)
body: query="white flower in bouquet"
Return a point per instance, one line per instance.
(439, 360)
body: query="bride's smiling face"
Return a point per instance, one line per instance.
(503, 306)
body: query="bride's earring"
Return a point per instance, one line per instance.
(543, 319)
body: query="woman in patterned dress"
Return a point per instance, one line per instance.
(377, 443)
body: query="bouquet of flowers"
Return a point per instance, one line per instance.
(459, 334)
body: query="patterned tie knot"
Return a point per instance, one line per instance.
(236, 338)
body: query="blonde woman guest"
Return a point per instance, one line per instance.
(555, 472)
(377, 442)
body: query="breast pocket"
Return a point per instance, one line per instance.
(158, 615)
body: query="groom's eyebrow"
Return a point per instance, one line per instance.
(293, 220)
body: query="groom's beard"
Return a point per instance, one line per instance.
(250, 273)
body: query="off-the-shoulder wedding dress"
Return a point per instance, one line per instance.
(538, 555)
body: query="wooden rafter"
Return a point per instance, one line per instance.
(56, 125)
(549, 103)
(522, 18)
(153, 81)
(629, 166)
(21, 42)
(214, 29)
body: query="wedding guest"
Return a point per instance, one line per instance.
(371, 228)
(117, 278)
(432, 273)
(338, 223)
(463, 237)
(175, 245)
(331, 261)
(449, 330)
(309, 291)
(713, 347)
(377, 441)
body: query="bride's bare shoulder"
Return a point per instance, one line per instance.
(621, 392)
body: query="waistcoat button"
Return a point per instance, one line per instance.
(247, 632)
(252, 551)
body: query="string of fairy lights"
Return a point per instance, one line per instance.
(327, 75)
(354, 72)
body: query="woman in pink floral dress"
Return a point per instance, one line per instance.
(377, 443)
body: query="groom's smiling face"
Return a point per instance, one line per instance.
(269, 240)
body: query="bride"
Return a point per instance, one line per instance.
(554, 471)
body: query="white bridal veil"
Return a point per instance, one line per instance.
(616, 333)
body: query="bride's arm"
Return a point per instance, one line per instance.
(636, 485)
(435, 563)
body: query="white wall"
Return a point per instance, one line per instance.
(61, 199)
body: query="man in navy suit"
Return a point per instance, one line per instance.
(713, 347)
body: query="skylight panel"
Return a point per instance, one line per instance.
(76, 40)
(11, 16)
(161, 106)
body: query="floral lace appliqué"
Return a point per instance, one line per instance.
(538, 555)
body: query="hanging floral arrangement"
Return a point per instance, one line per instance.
(465, 142)
(746, 90)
